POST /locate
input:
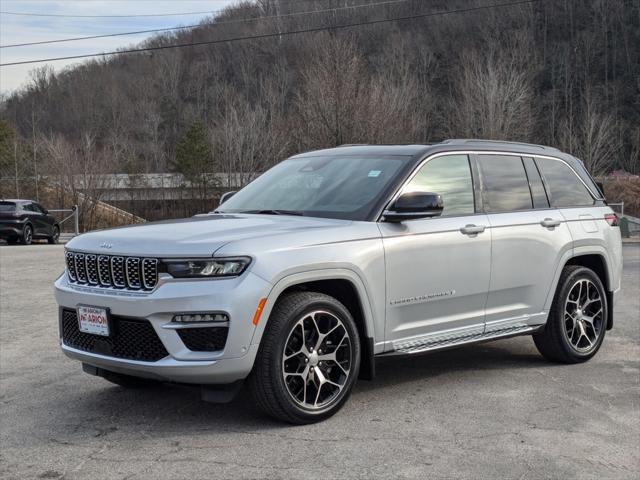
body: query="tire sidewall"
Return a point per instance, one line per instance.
(24, 235)
(275, 364)
(53, 239)
(582, 273)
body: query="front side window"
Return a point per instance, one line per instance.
(323, 186)
(449, 176)
(564, 187)
(504, 184)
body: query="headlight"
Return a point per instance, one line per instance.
(207, 268)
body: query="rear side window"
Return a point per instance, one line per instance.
(505, 187)
(7, 207)
(563, 186)
(450, 176)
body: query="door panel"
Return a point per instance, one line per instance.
(437, 277)
(525, 256)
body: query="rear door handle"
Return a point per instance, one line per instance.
(550, 222)
(472, 229)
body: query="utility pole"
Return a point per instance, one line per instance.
(35, 156)
(15, 165)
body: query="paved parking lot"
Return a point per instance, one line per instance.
(496, 410)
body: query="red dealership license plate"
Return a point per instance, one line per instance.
(93, 320)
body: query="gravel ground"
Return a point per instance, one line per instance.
(496, 410)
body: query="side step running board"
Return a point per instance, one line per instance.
(439, 342)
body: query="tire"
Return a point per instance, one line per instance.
(127, 381)
(291, 389)
(577, 323)
(53, 239)
(27, 235)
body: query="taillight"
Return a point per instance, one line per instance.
(611, 219)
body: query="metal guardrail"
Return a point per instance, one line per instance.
(75, 213)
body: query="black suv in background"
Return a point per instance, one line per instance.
(23, 220)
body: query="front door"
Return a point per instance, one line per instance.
(438, 269)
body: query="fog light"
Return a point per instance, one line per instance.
(200, 317)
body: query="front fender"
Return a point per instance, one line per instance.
(372, 320)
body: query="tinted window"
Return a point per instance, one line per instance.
(504, 183)
(7, 207)
(450, 176)
(564, 187)
(535, 184)
(323, 186)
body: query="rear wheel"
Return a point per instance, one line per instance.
(27, 235)
(55, 236)
(308, 359)
(577, 320)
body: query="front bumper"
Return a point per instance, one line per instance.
(172, 297)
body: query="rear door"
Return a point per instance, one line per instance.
(46, 219)
(36, 217)
(528, 239)
(437, 268)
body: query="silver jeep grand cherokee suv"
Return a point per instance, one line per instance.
(335, 257)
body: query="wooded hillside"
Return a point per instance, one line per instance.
(563, 73)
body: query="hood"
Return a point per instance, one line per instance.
(198, 236)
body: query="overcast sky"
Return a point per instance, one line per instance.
(22, 29)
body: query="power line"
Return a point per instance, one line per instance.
(276, 34)
(134, 15)
(242, 20)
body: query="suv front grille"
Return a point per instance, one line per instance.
(131, 273)
(131, 339)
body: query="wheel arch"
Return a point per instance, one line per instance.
(596, 260)
(346, 287)
(598, 264)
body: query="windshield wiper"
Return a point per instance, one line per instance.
(274, 212)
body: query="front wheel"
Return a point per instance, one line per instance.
(55, 236)
(308, 360)
(577, 320)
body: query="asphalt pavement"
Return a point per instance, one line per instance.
(491, 411)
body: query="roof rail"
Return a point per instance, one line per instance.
(474, 140)
(353, 145)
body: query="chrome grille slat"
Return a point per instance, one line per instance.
(104, 270)
(132, 273)
(91, 268)
(112, 271)
(81, 271)
(149, 272)
(117, 272)
(71, 266)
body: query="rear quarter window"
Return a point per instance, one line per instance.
(7, 207)
(564, 187)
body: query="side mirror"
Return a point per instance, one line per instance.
(414, 205)
(226, 196)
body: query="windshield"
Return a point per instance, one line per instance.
(332, 186)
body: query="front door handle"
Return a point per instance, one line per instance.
(550, 223)
(472, 229)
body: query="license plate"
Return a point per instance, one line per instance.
(93, 320)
